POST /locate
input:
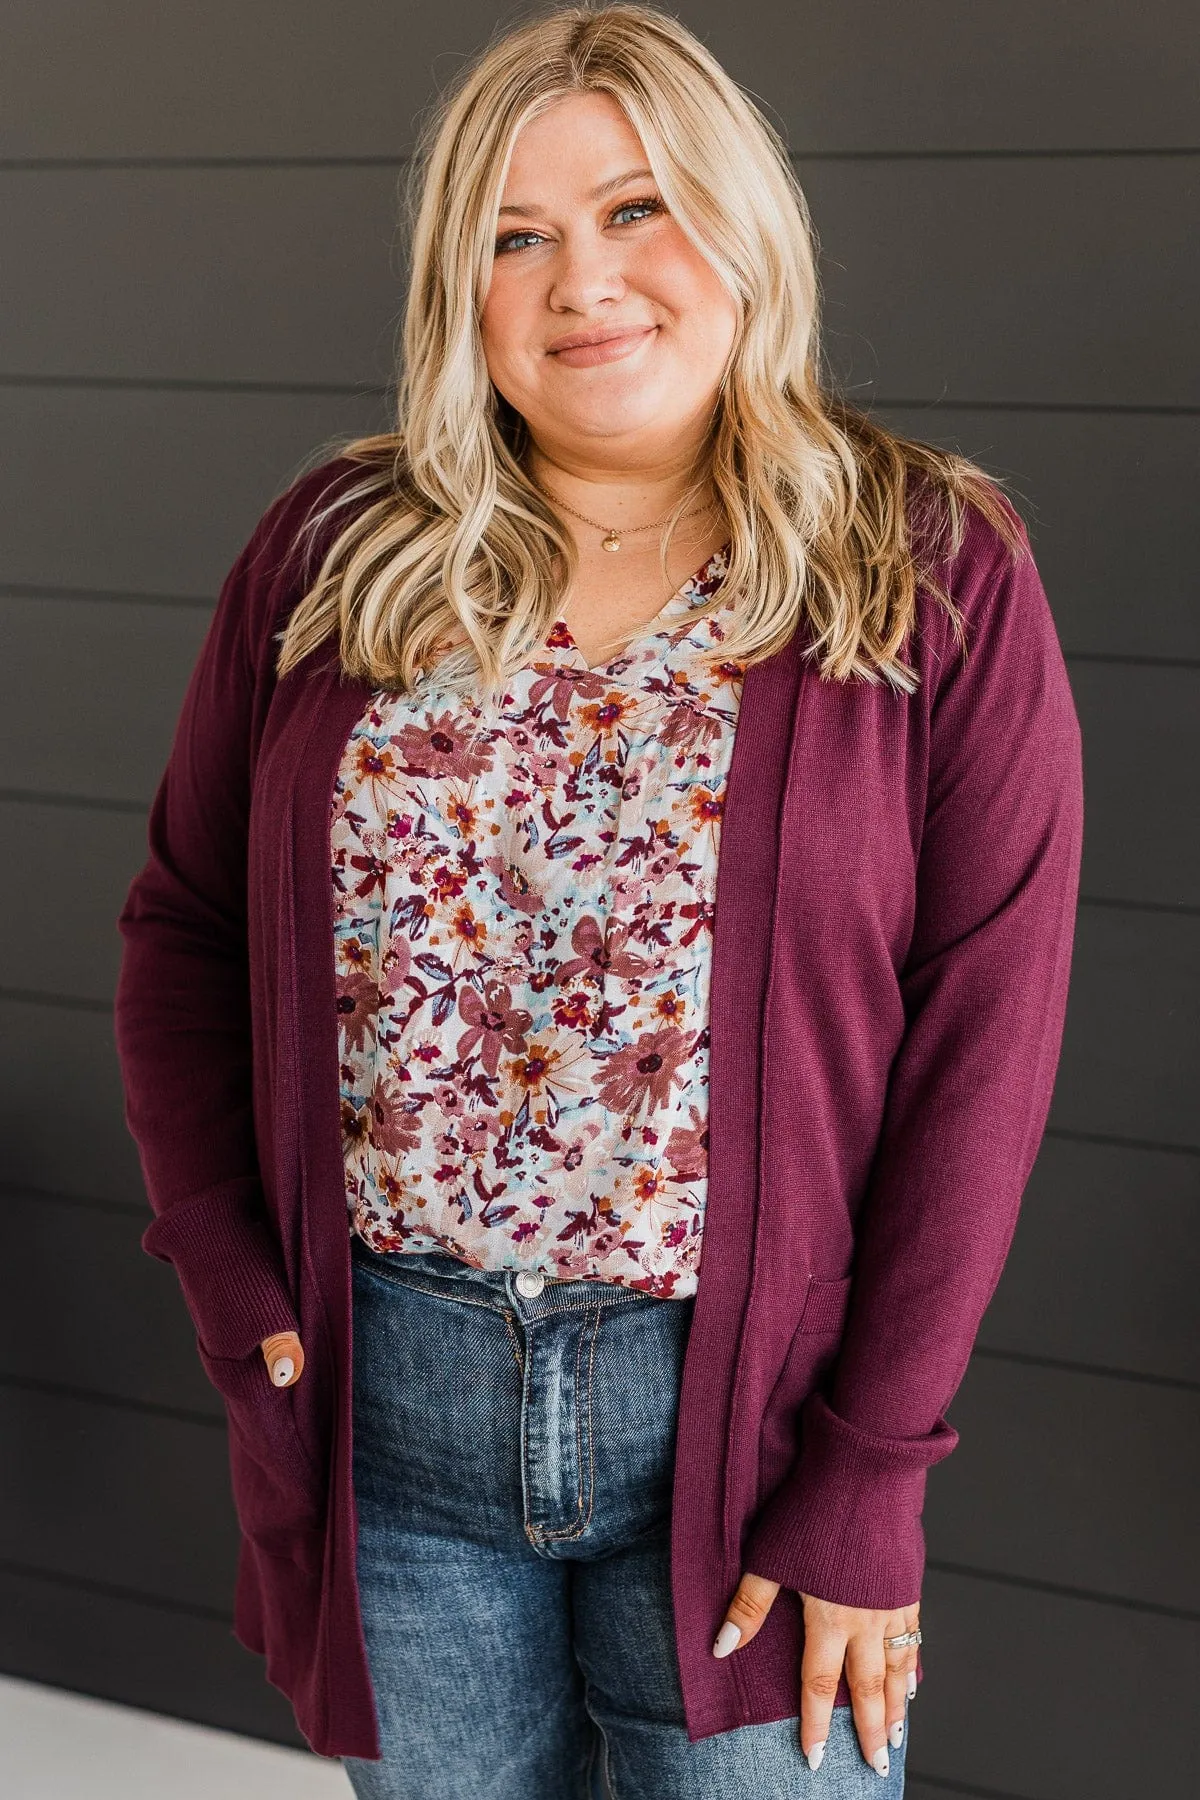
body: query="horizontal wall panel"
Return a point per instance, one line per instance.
(302, 80)
(119, 670)
(62, 1106)
(150, 491)
(165, 487)
(293, 274)
(119, 1324)
(1123, 1298)
(919, 304)
(123, 1649)
(1141, 737)
(1104, 1267)
(1088, 1481)
(1128, 1069)
(201, 274)
(134, 1500)
(928, 75)
(1131, 1053)
(1052, 1697)
(102, 849)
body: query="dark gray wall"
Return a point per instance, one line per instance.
(201, 283)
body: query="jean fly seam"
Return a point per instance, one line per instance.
(516, 1345)
(582, 1521)
(591, 1436)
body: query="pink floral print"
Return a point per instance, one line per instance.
(523, 913)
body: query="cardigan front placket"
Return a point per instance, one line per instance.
(716, 1457)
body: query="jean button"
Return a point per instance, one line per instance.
(530, 1283)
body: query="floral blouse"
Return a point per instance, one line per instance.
(523, 915)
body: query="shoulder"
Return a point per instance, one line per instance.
(983, 551)
(283, 552)
(1003, 693)
(995, 585)
(282, 534)
(987, 568)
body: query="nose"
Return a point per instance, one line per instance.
(585, 273)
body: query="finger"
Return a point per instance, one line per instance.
(901, 1674)
(896, 1692)
(866, 1675)
(284, 1355)
(895, 1697)
(746, 1612)
(820, 1673)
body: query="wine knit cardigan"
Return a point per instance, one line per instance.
(893, 927)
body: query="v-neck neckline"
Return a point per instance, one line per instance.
(676, 605)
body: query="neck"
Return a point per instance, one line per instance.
(619, 497)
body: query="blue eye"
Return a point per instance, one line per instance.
(651, 206)
(648, 207)
(506, 242)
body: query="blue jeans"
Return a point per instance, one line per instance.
(513, 1463)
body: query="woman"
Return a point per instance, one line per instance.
(592, 1456)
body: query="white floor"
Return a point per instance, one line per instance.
(59, 1746)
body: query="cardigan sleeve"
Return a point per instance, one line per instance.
(182, 1013)
(984, 987)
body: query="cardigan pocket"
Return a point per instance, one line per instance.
(278, 1492)
(808, 1358)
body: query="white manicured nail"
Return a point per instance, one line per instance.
(879, 1762)
(896, 1733)
(816, 1753)
(283, 1369)
(728, 1638)
(912, 1684)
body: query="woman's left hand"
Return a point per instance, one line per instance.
(879, 1680)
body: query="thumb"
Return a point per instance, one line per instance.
(745, 1613)
(284, 1356)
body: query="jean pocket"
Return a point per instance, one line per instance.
(278, 1490)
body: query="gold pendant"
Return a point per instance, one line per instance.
(611, 542)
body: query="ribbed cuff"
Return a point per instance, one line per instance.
(845, 1523)
(226, 1255)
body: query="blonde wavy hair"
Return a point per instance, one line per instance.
(452, 556)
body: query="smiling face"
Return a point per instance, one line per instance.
(574, 261)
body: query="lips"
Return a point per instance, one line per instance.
(584, 340)
(622, 347)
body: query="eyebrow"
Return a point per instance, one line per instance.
(528, 211)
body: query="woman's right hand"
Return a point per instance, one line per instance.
(284, 1356)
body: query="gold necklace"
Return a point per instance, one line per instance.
(612, 537)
